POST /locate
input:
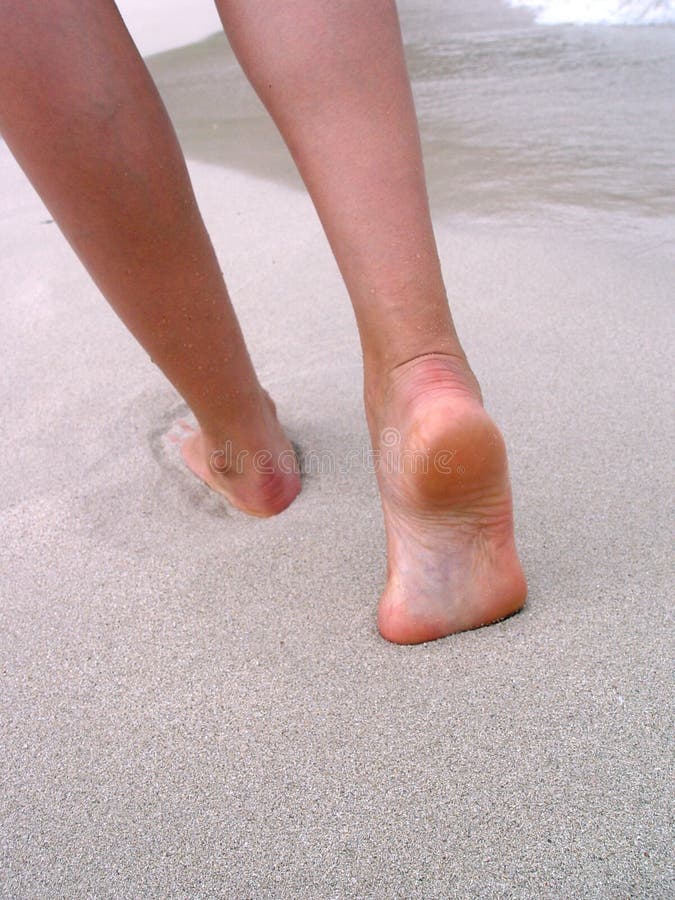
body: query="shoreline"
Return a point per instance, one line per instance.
(475, 172)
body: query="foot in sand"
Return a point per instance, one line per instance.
(442, 471)
(254, 466)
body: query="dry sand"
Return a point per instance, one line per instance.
(197, 704)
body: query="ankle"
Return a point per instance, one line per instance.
(239, 417)
(412, 378)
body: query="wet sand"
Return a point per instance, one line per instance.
(195, 703)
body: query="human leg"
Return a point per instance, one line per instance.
(85, 121)
(334, 79)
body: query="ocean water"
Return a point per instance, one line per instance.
(601, 12)
(523, 123)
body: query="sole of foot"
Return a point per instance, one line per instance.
(257, 473)
(446, 497)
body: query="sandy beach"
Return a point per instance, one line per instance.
(195, 703)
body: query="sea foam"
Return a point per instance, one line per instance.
(601, 12)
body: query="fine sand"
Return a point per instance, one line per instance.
(197, 704)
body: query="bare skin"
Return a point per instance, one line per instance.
(258, 475)
(333, 77)
(452, 560)
(83, 117)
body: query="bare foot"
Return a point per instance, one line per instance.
(254, 467)
(452, 560)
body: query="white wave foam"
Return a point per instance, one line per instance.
(599, 12)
